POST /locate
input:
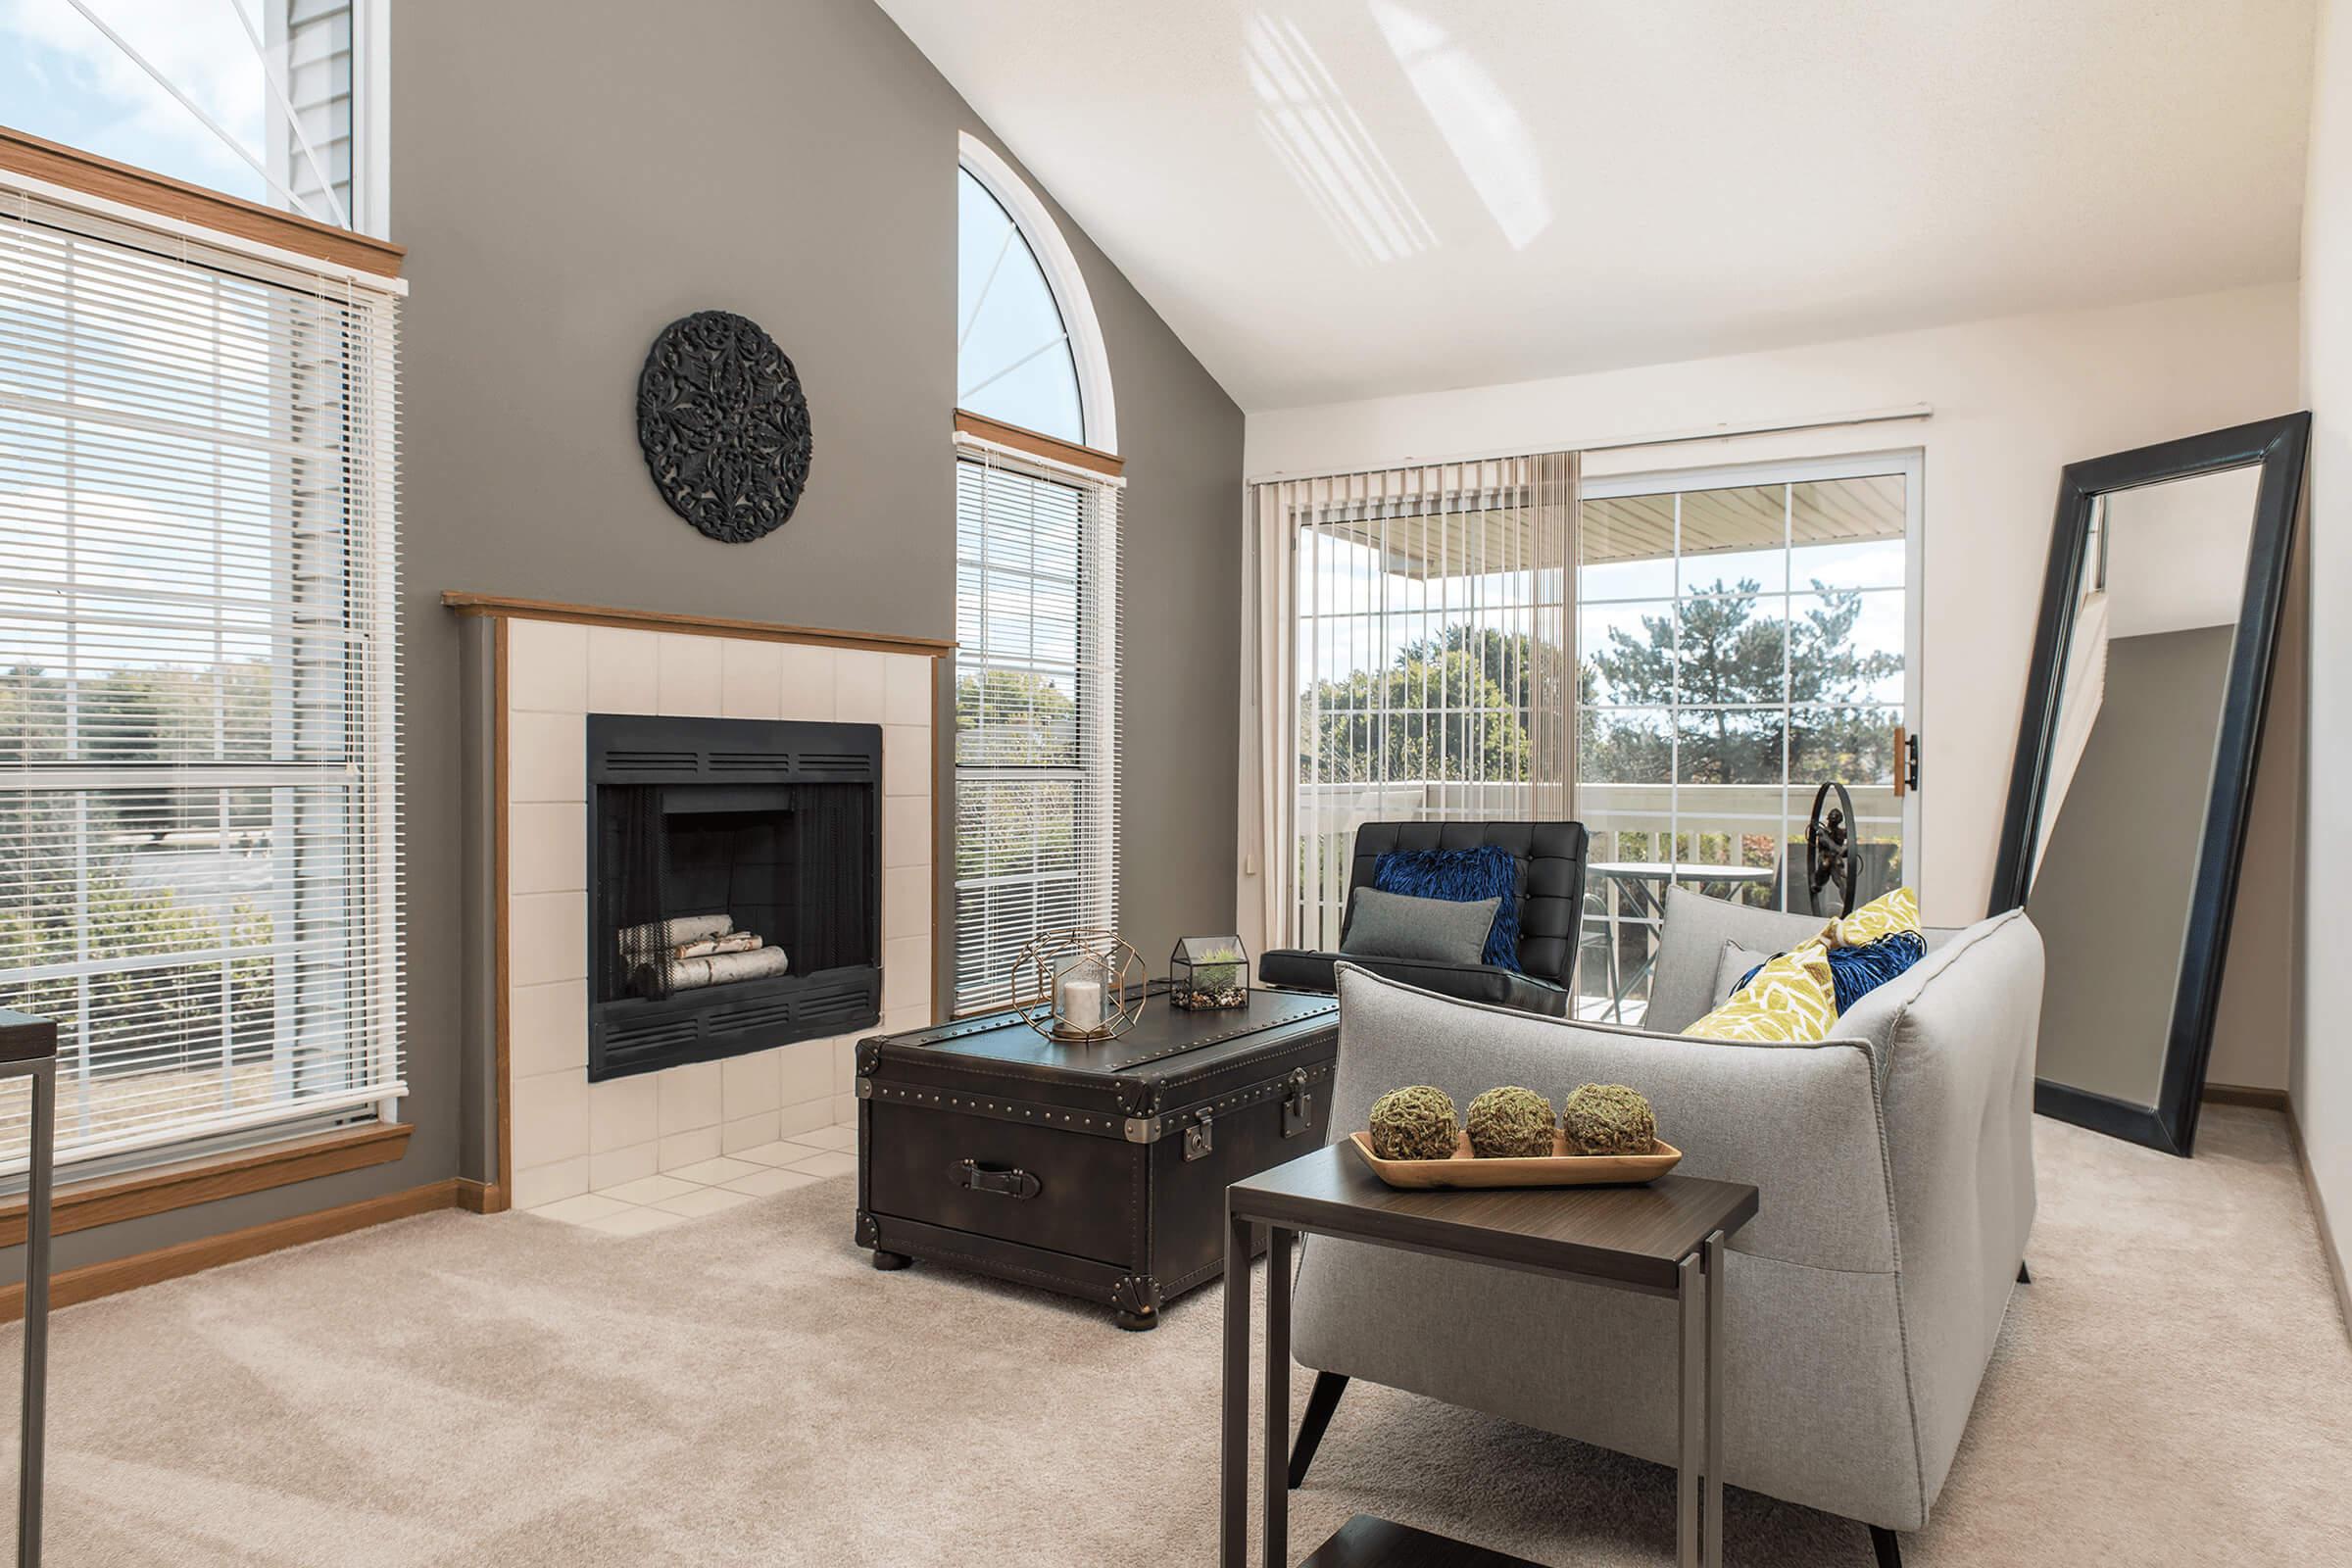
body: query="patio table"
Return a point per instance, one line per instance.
(1644, 883)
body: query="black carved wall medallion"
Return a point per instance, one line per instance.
(724, 426)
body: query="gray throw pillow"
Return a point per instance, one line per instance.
(1396, 925)
(1732, 967)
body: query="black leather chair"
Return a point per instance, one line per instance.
(1551, 899)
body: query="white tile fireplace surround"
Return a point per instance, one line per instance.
(572, 1137)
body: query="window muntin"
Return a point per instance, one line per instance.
(198, 863)
(1013, 357)
(1739, 644)
(278, 80)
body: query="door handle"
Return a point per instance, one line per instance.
(1907, 761)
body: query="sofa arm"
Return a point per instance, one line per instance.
(1803, 1123)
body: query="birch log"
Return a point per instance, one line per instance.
(725, 968)
(683, 928)
(707, 947)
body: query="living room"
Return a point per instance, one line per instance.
(725, 727)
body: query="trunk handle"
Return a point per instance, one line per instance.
(973, 1176)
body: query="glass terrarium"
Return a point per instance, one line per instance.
(1209, 972)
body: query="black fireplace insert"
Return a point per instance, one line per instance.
(734, 868)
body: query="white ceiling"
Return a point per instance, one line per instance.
(1332, 199)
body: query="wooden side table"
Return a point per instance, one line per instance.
(28, 1050)
(1656, 1240)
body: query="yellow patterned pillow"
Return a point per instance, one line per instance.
(1791, 1001)
(1896, 912)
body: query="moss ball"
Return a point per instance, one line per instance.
(1510, 1123)
(1608, 1119)
(1415, 1123)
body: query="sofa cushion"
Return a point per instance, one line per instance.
(1792, 1001)
(1681, 986)
(1398, 925)
(1735, 965)
(1483, 871)
(1551, 891)
(1855, 971)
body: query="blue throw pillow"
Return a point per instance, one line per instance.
(1859, 970)
(1463, 876)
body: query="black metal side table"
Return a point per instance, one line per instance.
(1656, 1240)
(28, 1050)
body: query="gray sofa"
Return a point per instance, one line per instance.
(1895, 1163)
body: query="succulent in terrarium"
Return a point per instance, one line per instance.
(1219, 968)
(1209, 972)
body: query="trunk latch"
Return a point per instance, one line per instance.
(1297, 1105)
(1199, 1137)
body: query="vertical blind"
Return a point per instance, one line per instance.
(1037, 710)
(1425, 654)
(199, 860)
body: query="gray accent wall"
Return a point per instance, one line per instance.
(569, 175)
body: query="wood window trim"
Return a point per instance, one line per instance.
(72, 1286)
(108, 1199)
(165, 197)
(1039, 445)
(497, 606)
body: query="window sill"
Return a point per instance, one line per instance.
(85, 1204)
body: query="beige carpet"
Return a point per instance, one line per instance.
(2175, 1387)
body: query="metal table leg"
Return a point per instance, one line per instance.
(1234, 1460)
(1690, 1375)
(1711, 1505)
(40, 1158)
(1278, 1397)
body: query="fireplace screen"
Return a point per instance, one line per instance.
(735, 868)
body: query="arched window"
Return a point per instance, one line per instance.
(1037, 589)
(1028, 351)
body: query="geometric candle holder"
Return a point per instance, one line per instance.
(1080, 984)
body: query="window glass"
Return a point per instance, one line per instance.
(198, 863)
(1711, 711)
(274, 77)
(1014, 359)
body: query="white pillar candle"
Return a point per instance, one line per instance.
(1082, 1003)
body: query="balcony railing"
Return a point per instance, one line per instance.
(1748, 836)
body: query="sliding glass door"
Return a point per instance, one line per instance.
(1744, 636)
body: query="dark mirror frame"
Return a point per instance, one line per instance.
(2279, 446)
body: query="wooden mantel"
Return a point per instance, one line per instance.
(497, 607)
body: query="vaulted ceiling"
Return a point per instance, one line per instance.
(1332, 199)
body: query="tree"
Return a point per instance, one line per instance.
(1435, 714)
(1025, 819)
(1723, 657)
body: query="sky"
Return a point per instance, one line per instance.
(60, 77)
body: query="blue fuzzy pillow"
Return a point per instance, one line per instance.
(1461, 876)
(1860, 969)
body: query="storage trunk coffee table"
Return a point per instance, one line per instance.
(1094, 1169)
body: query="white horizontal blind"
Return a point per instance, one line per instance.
(199, 865)
(1037, 710)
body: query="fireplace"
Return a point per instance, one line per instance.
(734, 875)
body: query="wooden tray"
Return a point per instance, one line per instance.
(1559, 1168)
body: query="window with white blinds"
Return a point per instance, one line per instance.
(199, 863)
(1037, 710)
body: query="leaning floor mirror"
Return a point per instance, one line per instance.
(2130, 799)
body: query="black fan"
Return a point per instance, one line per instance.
(1830, 851)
